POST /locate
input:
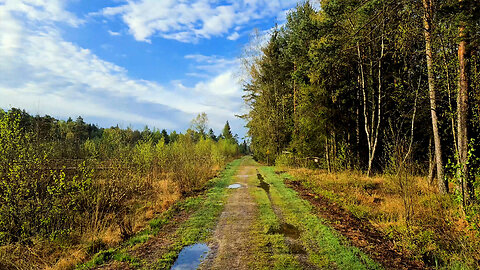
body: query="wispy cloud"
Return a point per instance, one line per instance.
(212, 64)
(112, 33)
(191, 20)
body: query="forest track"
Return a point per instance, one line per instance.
(252, 229)
(358, 231)
(230, 247)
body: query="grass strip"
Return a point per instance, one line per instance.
(269, 250)
(326, 248)
(201, 223)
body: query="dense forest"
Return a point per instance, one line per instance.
(375, 85)
(383, 97)
(70, 182)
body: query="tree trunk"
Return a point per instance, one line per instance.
(427, 21)
(431, 163)
(379, 108)
(412, 127)
(327, 156)
(357, 127)
(462, 114)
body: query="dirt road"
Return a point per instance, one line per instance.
(231, 240)
(250, 217)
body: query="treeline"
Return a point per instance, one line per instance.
(64, 179)
(374, 85)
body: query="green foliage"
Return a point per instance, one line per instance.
(49, 188)
(199, 124)
(316, 86)
(34, 197)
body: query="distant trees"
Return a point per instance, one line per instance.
(227, 133)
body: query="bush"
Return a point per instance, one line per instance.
(35, 196)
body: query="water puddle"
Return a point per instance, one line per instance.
(190, 257)
(233, 186)
(263, 184)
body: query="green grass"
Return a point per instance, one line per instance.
(109, 255)
(326, 248)
(269, 248)
(199, 227)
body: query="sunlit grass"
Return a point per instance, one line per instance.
(428, 226)
(326, 248)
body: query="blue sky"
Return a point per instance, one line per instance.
(133, 63)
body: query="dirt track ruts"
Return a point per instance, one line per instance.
(359, 232)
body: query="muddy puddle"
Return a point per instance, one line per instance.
(191, 256)
(234, 186)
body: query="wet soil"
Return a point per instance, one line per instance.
(264, 185)
(358, 231)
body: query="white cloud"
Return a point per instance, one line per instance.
(42, 10)
(212, 64)
(234, 36)
(191, 20)
(112, 33)
(40, 70)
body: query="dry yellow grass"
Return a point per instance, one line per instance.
(48, 255)
(69, 262)
(406, 208)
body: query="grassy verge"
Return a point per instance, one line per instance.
(268, 247)
(205, 210)
(325, 247)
